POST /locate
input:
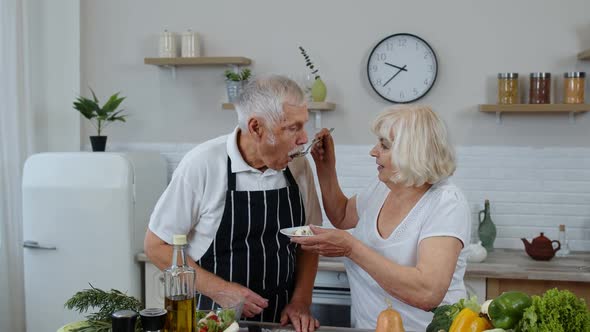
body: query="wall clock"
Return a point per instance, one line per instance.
(402, 68)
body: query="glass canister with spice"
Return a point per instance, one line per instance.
(508, 88)
(573, 87)
(540, 88)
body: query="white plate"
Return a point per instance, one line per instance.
(290, 232)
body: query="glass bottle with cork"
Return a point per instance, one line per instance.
(565, 249)
(179, 287)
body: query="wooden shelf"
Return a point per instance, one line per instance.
(570, 109)
(198, 61)
(584, 55)
(323, 106)
(535, 108)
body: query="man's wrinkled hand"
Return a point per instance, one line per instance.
(253, 303)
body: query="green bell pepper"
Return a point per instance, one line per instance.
(506, 310)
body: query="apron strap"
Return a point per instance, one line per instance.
(290, 178)
(231, 177)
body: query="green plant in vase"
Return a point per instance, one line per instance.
(100, 117)
(318, 89)
(235, 81)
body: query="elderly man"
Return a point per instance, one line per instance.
(231, 195)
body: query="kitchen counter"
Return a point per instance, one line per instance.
(511, 264)
(246, 326)
(503, 264)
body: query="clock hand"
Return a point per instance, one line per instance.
(401, 68)
(392, 77)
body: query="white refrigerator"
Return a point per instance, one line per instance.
(84, 219)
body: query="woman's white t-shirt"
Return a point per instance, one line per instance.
(442, 211)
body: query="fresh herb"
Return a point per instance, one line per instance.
(244, 75)
(309, 63)
(104, 115)
(556, 311)
(106, 302)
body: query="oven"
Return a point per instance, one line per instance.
(331, 299)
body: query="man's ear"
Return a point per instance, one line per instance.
(255, 128)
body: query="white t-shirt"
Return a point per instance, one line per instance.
(442, 211)
(194, 200)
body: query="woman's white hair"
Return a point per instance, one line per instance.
(264, 96)
(420, 147)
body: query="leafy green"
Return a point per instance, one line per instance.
(309, 63)
(470, 303)
(106, 302)
(556, 311)
(215, 321)
(244, 75)
(227, 316)
(91, 110)
(200, 315)
(443, 318)
(444, 315)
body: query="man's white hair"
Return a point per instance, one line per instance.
(264, 96)
(420, 147)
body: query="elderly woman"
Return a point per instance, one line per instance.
(410, 225)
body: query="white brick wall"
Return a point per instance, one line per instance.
(530, 190)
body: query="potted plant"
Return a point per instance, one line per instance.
(234, 82)
(100, 117)
(318, 89)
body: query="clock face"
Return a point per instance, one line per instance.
(402, 68)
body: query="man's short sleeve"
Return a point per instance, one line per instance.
(176, 210)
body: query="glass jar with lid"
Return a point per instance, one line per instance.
(540, 88)
(508, 88)
(573, 87)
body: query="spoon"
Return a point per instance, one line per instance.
(306, 151)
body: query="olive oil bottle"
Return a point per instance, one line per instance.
(179, 287)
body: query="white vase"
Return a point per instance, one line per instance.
(476, 253)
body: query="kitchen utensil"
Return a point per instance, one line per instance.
(306, 151)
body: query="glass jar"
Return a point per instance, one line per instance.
(573, 87)
(508, 88)
(540, 88)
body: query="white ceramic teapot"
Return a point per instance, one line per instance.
(476, 252)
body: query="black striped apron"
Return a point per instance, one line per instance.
(248, 248)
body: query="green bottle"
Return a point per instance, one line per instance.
(486, 229)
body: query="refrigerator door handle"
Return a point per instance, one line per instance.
(36, 245)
